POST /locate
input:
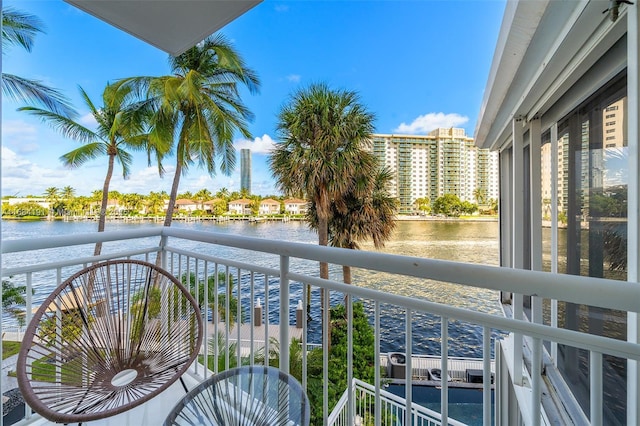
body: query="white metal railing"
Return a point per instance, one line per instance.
(393, 409)
(287, 270)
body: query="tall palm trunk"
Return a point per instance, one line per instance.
(105, 201)
(325, 295)
(346, 274)
(172, 200)
(173, 195)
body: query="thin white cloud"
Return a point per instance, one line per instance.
(23, 177)
(294, 78)
(281, 8)
(260, 145)
(431, 121)
(20, 135)
(18, 128)
(144, 181)
(88, 120)
(28, 147)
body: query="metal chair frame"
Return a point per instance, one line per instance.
(244, 396)
(108, 339)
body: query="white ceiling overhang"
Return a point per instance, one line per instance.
(543, 49)
(170, 25)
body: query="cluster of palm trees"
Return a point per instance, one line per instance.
(63, 201)
(193, 114)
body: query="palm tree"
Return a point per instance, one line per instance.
(119, 128)
(13, 298)
(185, 195)
(68, 193)
(223, 193)
(52, 194)
(323, 134)
(20, 29)
(200, 105)
(154, 202)
(132, 202)
(369, 214)
(202, 196)
(479, 194)
(423, 204)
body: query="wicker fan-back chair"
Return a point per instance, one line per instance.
(109, 338)
(244, 396)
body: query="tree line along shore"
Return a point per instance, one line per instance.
(63, 204)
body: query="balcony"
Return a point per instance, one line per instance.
(284, 280)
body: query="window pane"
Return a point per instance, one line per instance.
(594, 191)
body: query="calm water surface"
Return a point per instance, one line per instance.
(474, 242)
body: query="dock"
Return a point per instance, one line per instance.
(271, 331)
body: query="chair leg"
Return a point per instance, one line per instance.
(184, 385)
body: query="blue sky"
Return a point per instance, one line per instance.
(417, 65)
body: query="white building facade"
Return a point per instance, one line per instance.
(561, 109)
(445, 161)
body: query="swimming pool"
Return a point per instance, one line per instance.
(465, 405)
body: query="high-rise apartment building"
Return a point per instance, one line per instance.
(445, 161)
(245, 170)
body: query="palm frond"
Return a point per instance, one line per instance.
(81, 155)
(125, 159)
(65, 125)
(34, 92)
(19, 28)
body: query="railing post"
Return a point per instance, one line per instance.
(536, 377)
(351, 412)
(595, 378)
(325, 356)
(304, 337)
(284, 314)
(444, 371)
(486, 376)
(408, 388)
(376, 325)
(163, 250)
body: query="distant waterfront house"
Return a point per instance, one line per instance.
(295, 206)
(241, 206)
(210, 206)
(113, 206)
(186, 205)
(269, 206)
(41, 201)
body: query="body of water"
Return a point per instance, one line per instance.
(473, 242)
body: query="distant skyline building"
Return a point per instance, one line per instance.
(245, 170)
(445, 161)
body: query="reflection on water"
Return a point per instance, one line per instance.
(474, 242)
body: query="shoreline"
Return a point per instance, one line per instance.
(256, 219)
(408, 218)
